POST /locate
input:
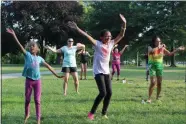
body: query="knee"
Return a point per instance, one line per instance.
(158, 84)
(27, 101)
(76, 81)
(66, 80)
(37, 101)
(102, 94)
(109, 94)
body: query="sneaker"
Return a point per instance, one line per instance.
(91, 116)
(104, 117)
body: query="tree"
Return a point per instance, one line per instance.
(42, 20)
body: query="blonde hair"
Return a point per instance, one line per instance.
(30, 43)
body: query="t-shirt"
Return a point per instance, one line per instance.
(102, 57)
(32, 66)
(116, 58)
(69, 59)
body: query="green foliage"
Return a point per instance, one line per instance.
(13, 58)
(42, 20)
(51, 58)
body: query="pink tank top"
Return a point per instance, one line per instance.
(116, 58)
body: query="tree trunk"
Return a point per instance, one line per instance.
(59, 58)
(173, 56)
(42, 50)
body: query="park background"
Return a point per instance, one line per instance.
(46, 23)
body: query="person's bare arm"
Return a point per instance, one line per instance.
(51, 69)
(80, 46)
(181, 48)
(53, 50)
(121, 52)
(10, 31)
(122, 31)
(74, 26)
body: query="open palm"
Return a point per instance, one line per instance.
(10, 31)
(123, 18)
(181, 48)
(72, 25)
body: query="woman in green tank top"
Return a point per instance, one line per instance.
(155, 59)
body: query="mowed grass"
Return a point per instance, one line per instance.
(6, 69)
(125, 106)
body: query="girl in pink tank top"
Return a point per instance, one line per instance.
(116, 60)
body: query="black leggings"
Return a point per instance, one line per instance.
(105, 91)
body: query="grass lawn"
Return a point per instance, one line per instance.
(6, 69)
(125, 106)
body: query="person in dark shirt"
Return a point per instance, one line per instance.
(83, 59)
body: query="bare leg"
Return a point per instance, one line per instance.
(85, 70)
(159, 80)
(76, 81)
(65, 85)
(82, 70)
(151, 87)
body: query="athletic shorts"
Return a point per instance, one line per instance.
(69, 69)
(156, 69)
(83, 62)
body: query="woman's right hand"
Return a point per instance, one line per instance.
(126, 45)
(72, 25)
(46, 47)
(60, 76)
(181, 48)
(11, 31)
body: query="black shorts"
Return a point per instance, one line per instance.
(83, 62)
(69, 69)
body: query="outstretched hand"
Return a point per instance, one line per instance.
(46, 47)
(181, 48)
(72, 25)
(116, 45)
(126, 45)
(60, 76)
(123, 18)
(9, 30)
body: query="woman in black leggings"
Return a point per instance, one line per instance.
(101, 65)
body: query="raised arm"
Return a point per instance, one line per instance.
(80, 52)
(51, 69)
(181, 48)
(80, 46)
(53, 50)
(121, 52)
(88, 54)
(122, 31)
(10, 31)
(74, 26)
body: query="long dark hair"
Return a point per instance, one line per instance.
(103, 32)
(153, 41)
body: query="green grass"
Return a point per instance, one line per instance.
(125, 106)
(6, 69)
